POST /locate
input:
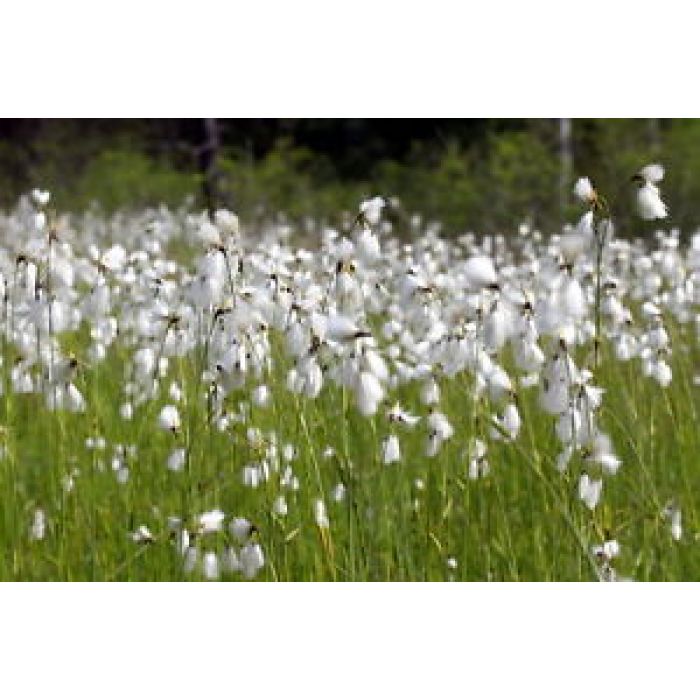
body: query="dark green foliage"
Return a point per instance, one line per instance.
(484, 175)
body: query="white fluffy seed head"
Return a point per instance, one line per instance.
(176, 459)
(241, 529)
(662, 373)
(261, 396)
(649, 203)
(321, 515)
(251, 559)
(37, 530)
(654, 172)
(279, 507)
(211, 521)
(41, 197)
(210, 565)
(479, 272)
(368, 393)
(590, 490)
(583, 189)
(391, 450)
(372, 209)
(169, 418)
(511, 421)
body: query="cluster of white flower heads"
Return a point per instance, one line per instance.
(365, 311)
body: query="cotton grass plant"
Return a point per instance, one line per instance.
(372, 407)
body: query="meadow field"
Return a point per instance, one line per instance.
(187, 398)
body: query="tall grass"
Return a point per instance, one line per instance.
(401, 521)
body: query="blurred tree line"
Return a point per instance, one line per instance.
(470, 174)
